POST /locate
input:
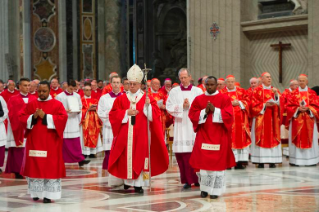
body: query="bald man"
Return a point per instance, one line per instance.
(10, 91)
(55, 90)
(302, 116)
(220, 83)
(265, 132)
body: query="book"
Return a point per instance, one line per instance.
(73, 104)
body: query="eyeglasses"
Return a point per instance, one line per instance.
(133, 84)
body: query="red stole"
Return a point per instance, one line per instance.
(91, 123)
(267, 126)
(129, 153)
(43, 158)
(302, 126)
(54, 93)
(209, 134)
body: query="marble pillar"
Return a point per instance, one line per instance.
(27, 69)
(62, 41)
(112, 37)
(101, 40)
(4, 39)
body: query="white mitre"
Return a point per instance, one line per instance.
(135, 74)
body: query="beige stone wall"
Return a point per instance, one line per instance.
(244, 50)
(219, 57)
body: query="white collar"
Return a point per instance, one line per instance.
(303, 89)
(153, 91)
(49, 98)
(213, 94)
(33, 92)
(134, 94)
(231, 90)
(23, 94)
(55, 88)
(10, 91)
(290, 89)
(265, 87)
(87, 97)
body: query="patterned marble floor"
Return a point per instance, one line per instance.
(293, 189)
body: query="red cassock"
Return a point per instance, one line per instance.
(137, 150)
(91, 123)
(303, 125)
(80, 92)
(267, 128)
(240, 129)
(49, 141)
(212, 134)
(7, 95)
(15, 105)
(54, 93)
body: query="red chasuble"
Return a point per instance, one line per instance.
(240, 128)
(91, 123)
(209, 134)
(267, 126)
(96, 94)
(35, 94)
(7, 95)
(303, 125)
(15, 105)
(129, 153)
(43, 158)
(284, 100)
(54, 93)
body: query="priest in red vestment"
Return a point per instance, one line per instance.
(91, 123)
(220, 83)
(302, 116)
(78, 89)
(33, 89)
(253, 84)
(265, 131)
(240, 129)
(293, 85)
(55, 89)
(16, 128)
(10, 91)
(164, 92)
(45, 120)
(129, 157)
(212, 118)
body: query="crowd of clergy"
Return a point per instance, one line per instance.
(217, 125)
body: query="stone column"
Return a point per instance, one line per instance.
(313, 42)
(75, 40)
(112, 29)
(4, 39)
(62, 41)
(27, 69)
(101, 40)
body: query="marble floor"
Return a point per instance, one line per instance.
(285, 188)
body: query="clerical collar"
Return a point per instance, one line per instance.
(188, 88)
(114, 95)
(290, 89)
(87, 97)
(10, 91)
(134, 94)
(55, 88)
(303, 89)
(267, 87)
(33, 92)
(67, 93)
(233, 90)
(24, 95)
(49, 98)
(213, 94)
